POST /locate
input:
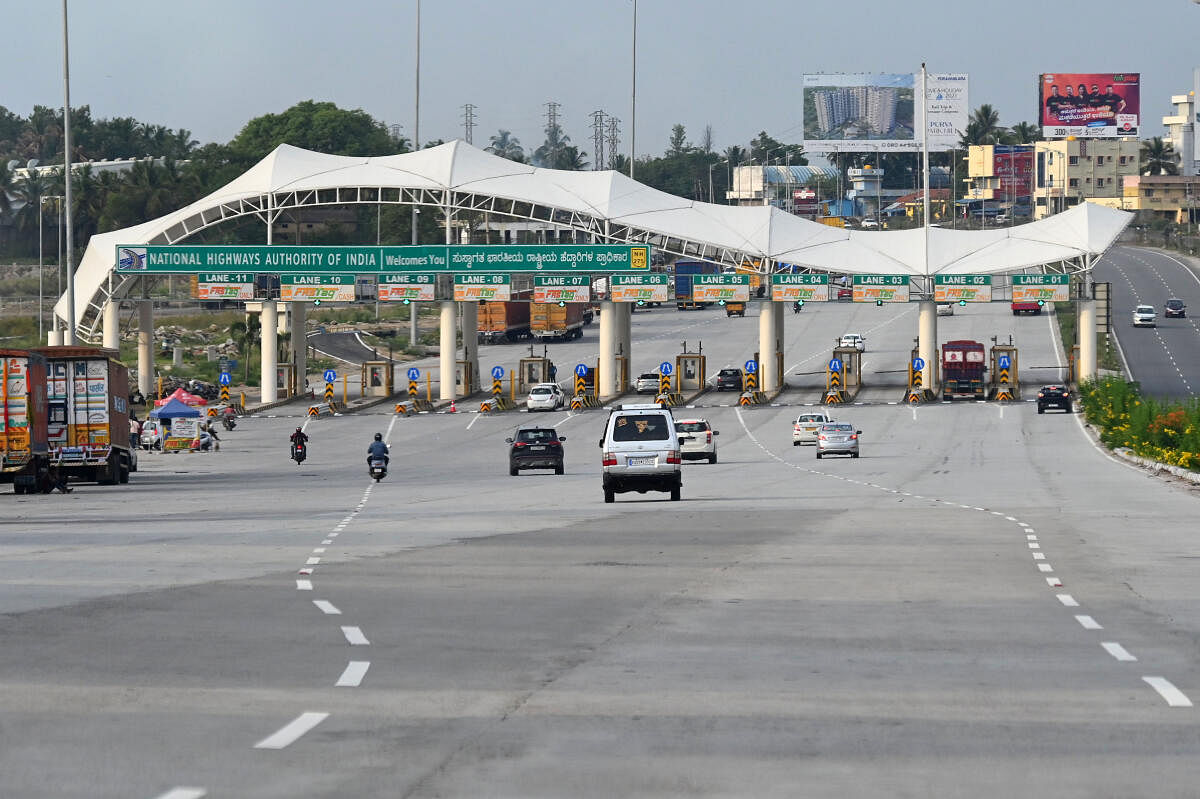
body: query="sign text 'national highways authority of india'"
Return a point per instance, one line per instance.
(187, 259)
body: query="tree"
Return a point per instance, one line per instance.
(983, 127)
(1158, 158)
(678, 144)
(244, 334)
(322, 127)
(706, 140)
(571, 158)
(764, 148)
(550, 151)
(506, 145)
(1024, 133)
(735, 154)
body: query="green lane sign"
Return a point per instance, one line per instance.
(648, 287)
(787, 287)
(482, 286)
(186, 259)
(410, 286)
(721, 288)
(310, 288)
(1047, 288)
(962, 288)
(562, 288)
(881, 288)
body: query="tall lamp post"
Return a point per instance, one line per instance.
(69, 338)
(633, 120)
(710, 183)
(41, 291)
(412, 309)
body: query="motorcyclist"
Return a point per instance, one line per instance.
(796, 306)
(377, 449)
(298, 437)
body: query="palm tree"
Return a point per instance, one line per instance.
(571, 158)
(245, 334)
(506, 145)
(983, 127)
(1024, 133)
(550, 150)
(1158, 158)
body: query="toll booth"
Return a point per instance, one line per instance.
(690, 372)
(918, 390)
(377, 378)
(462, 379)
(285, 380)
(531, 372)
(842, 384)
(1005, 382)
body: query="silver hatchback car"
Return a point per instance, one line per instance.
(837, 438)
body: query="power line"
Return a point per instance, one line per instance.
(468, 122)
(597, 140)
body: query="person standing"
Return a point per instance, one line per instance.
(135, 432)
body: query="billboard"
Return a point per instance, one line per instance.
(479, 287)
(225, 286)
(1089, 104)
(1013, 165)
(649, 287)
(872, 112)
(308, 287)
(721, 288)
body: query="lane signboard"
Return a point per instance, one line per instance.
(411, 286)
(881, 288)
(308, 288)
(1047, 288)
(799, 288)
(562, 288)
(416, 258)
(721, 288)
(962, 288)
(482, 286)
(649, 287)
(225, 286)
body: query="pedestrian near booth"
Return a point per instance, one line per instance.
(135, 432)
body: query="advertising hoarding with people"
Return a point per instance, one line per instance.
(1089, 104)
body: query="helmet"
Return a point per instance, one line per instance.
(298, 430)
(379, 437)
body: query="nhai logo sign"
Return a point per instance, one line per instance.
(131, 258)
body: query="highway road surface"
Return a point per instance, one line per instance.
(984, 604)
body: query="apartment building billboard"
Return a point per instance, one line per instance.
(872, 112)
(1089, 104)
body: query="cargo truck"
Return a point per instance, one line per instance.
(24, 442)
(503, 321)
(87, 395)
(549, 320)
(1019, 308)
(758, 285)
(963, 368)
(683, 282)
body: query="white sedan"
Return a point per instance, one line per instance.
(854, 340)
(545, 397)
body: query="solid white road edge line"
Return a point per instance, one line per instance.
(1174, 697)
(327, 607)
(291, 732)
(1117, 651)
(183, 792)
(352, 677)
(355, 637)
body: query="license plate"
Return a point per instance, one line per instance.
(536, 449)
(649, 461)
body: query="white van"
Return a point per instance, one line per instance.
(640, 452)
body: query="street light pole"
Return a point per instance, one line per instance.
(41, 302)
(633, 115)
(70, 335)
(412, 308)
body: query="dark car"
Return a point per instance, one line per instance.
(1054, 397)
(1175, 307)
(729, 380)
(535, 447)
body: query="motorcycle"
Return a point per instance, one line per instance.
(228, 423)
(796, 306)
(377, 469)
(299, 452)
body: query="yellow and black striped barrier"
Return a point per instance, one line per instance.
(412, 389)
(752, 398)
(669, 399)
(497, 403)
(225, 394)
(835, 397)
(212, 412)
(749, 381)
(329, 392)
(404, 408)
(580, 385)
(580, 401)
(497, 387)
(664, 384)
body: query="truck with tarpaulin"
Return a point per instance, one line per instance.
(550, 320)
(963, 368)
(683, 282)
(24, 440)
(503, 321)
(87, 395)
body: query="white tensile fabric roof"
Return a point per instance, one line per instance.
(758, 232)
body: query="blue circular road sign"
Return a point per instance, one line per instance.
(581, 370)
(413, 373)
(497, 372)
(225, 378)
(1003, 361)
(330, 375)
(751, 366)
(664, 368)
(918, 364)
(835, 365)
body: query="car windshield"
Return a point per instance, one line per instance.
(1145, 309)
(837, 427)
(1174, 304)
(691, 427)
(648, 376)
(540, 391)
(536, 436)
(730, 372)
(811, 417)
(647, 427)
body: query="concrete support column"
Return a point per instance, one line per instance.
(625, 314)
(777, 356)
(54, 338)
(1087, 341)
(606, 374)
(927, 343)
(298, 344)
(145, 340)
(112, 324)
(447, 350)
(766, 347)
(270, 351)
(470, 337)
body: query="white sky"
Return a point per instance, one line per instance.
(210, 67)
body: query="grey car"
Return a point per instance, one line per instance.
(837, 438)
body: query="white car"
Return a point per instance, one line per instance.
(545, 397)
(869, 224)
(697, 440)
(1145, 316)
(640, 452)
(647, 383)
(945, 309)
(853, 340)
(804, 429)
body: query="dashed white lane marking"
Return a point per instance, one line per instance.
(327, 607)
(1088, 623)
(1054, 582)
(1022, 524)
(352, 677)
(333, 535)
(1031, 538)
(319, 551)
(1117, 651)
(304, 585)
(312, 562)
(1068, 600)
(1011, 519)
(1039, 555)
(355, 637)
(1174, 697)
(1034, 545)
(184, 792)
(327, 541)
(292, 732)
(1045, 567)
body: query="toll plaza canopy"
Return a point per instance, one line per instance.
(604, 207)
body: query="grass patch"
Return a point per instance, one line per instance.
(1106, 353)
(1168, 432)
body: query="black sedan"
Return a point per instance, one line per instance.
(1054, 397)
(535, 447)
(729, 380)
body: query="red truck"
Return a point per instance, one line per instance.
(963, 368)
(24, 441)
(1019, 308)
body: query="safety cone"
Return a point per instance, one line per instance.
(453, 407)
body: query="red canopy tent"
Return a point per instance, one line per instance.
(184, 397)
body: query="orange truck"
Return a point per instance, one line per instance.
(549, 320)
(87, 396)
(503, 321)
(24, 443)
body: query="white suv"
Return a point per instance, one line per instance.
(640, 452)
(1144, 316)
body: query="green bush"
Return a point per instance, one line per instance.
(1168, 432)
